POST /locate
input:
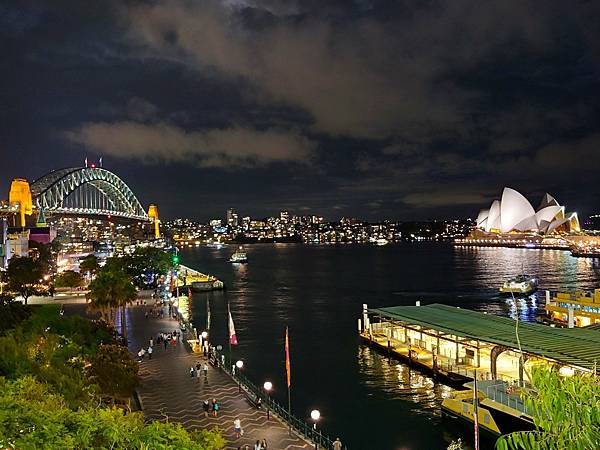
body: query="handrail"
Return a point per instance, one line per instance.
(298, 425)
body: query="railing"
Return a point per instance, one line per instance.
(498, 394)
(298, 425)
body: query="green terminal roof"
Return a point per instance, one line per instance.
(576, 346)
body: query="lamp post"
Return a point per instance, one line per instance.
(315, 414)
(239, 366)
(204, 336)
(268, 386)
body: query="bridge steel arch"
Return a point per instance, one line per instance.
(51, 190)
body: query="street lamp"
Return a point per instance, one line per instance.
(268, 386)
(315, 414)
(239, 366)
(203, 337)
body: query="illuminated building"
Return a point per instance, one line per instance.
(514, 213)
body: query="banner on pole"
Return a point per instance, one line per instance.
(232, 336)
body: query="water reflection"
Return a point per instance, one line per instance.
(318, 291)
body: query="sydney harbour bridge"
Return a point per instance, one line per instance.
(77, 191)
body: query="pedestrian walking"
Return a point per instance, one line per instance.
(205, 407)
(263, 444)
(237, 427)
(140, 357)
(150, 350)
(151, 342)
(146, 314)
(215, 407)
(192, 372)
(259, 403)
(205, 369)
(258, 446)
(165, 343)
(337, 444)
(143, 352)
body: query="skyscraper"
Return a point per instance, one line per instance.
(232, 217)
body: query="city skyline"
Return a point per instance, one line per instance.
(377, 110)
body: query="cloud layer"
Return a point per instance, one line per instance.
(162, 142)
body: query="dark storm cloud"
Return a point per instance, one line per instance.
(379, 107)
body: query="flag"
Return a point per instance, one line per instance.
(287, 357)
(232, 336)
(207, 314)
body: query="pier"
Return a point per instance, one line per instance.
(188, 277)
(456, 343)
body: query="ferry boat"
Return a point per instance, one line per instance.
(573, 309)
(500, 409)
(521, 284)
(239, 256)
(586, 252)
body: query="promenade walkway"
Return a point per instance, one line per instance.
(168, 391)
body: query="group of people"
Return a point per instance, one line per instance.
(195, 371)
(211, 407)
(259, 445)
(168, 338)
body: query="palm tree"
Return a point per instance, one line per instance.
(110, 290)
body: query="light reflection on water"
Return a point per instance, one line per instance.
(370, 401)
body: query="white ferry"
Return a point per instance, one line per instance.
(521, 284)
(239, 256)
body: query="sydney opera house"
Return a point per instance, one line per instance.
(513, 213)
(512, 221)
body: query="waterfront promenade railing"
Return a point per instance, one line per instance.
(298, 425)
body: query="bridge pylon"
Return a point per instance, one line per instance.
(20, 193)
(153, 214)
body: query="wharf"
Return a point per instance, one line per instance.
(168, 392)
(455, 342)
(198, 280)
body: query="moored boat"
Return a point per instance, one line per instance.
(500, 409)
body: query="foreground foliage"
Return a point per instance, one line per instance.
(31, 416)
(59, 379)
(566, 411)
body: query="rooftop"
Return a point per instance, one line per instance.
(575, 346)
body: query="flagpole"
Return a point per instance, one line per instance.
(287, 369)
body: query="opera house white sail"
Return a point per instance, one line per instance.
(514, 213)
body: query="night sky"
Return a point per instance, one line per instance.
(377, 109)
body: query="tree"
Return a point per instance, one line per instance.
(114, 371)
(110, 290)
(23, 275)
(33, 416)
(146, 264)
(42, 253)
(12, 313)
(89, 264)
(565, 411)
(69, 279)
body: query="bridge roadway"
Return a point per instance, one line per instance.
(168, 391)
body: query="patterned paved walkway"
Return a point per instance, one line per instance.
(168, 391)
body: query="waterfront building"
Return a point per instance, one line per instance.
(514, 213)
(455, 342)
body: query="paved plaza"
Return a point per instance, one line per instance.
(168, 392)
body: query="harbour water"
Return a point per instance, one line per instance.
(370, 401)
